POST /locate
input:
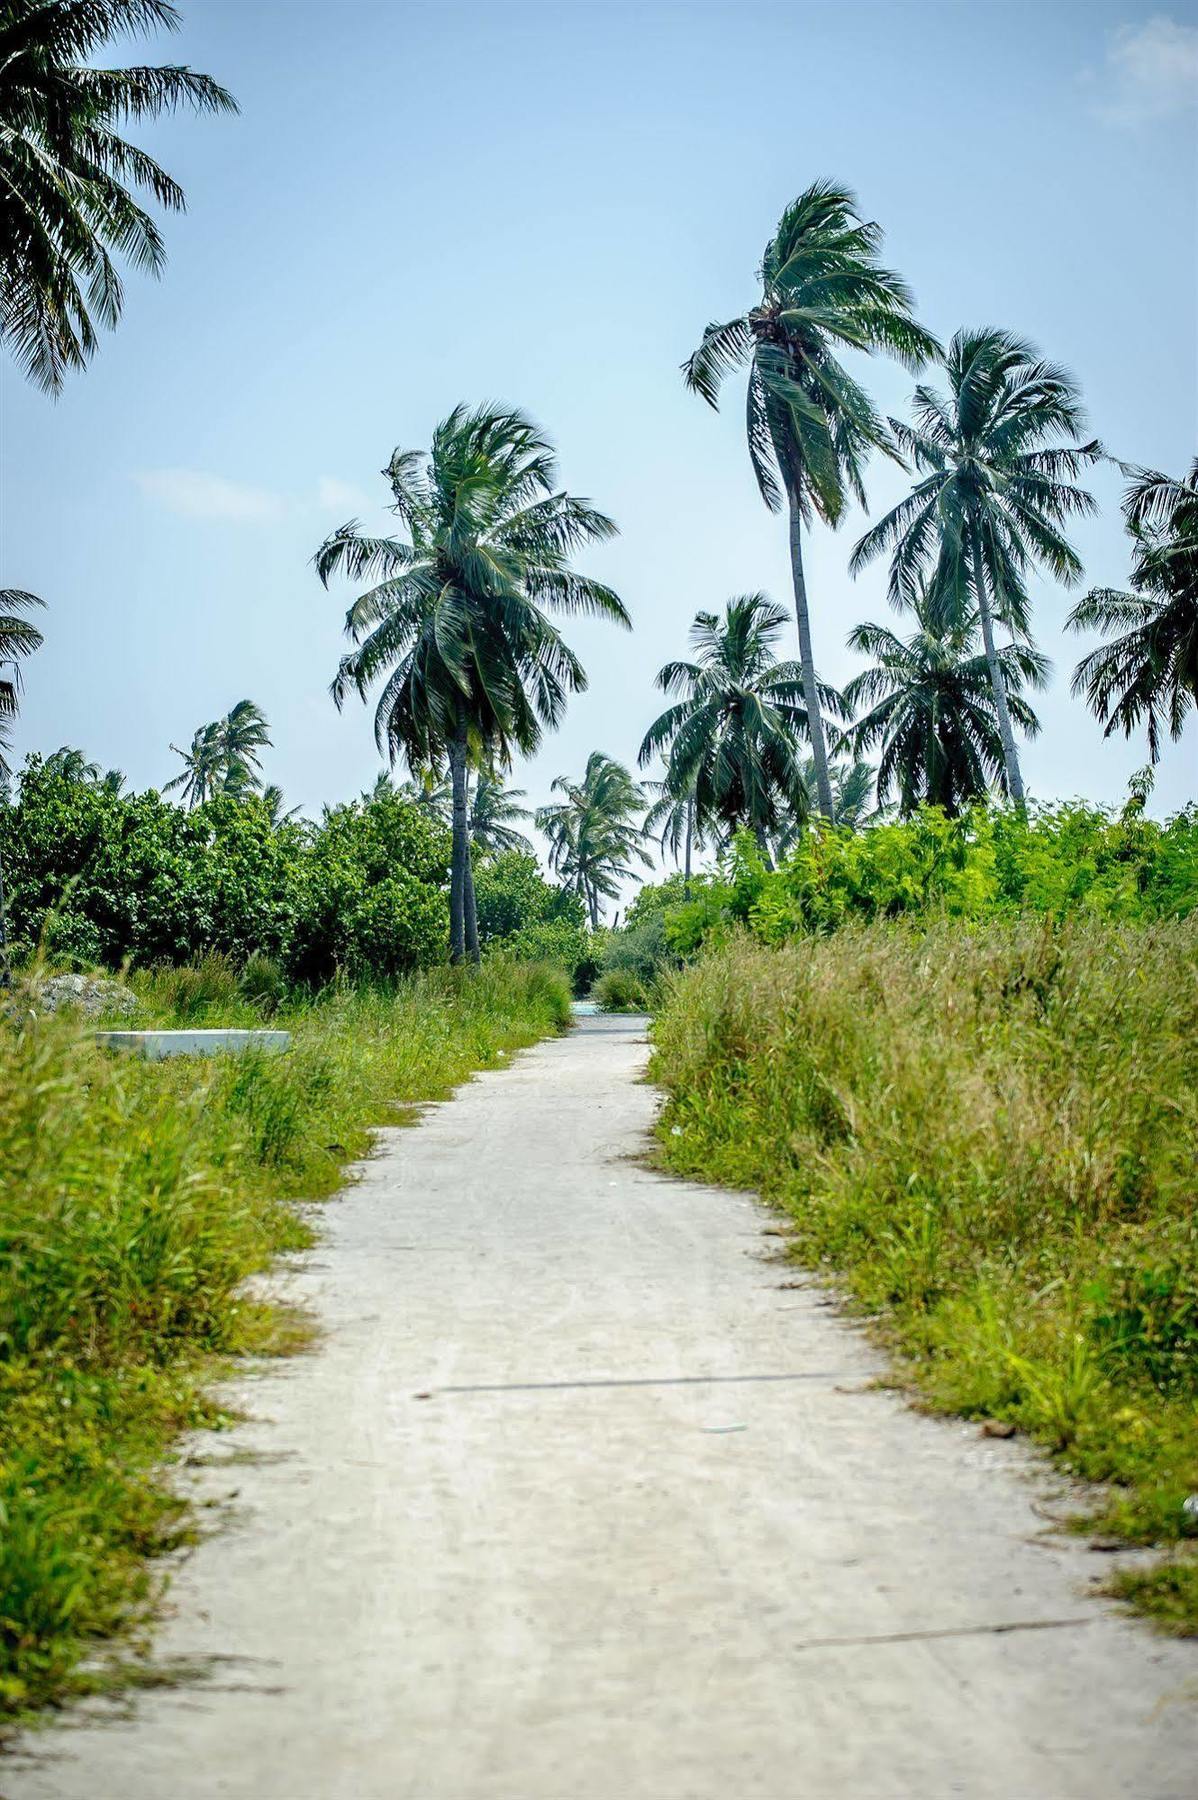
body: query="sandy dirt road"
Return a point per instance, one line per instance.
(580, 1498)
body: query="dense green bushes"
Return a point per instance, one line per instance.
(134, 1199)
(113, 878)
(522, 915)
(988, 863)
(991, 1135)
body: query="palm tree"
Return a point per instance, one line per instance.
(594, 832)
(67, 179)
(494, 810)
(811, 426)
(456, 618)
(72, 765)
(243, 732)
(853, 794)
(932, 712)
(733, 738)
(202, 766)
(272, 799)
(997, 461)
(429, 793)
(1150, 672)
(18, 639)
(223, 756)
(680, 832)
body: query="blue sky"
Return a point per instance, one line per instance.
(545, 204)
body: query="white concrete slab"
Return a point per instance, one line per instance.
(154, 1045)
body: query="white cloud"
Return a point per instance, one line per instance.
(343, 497)
(197, 494)
(1151, 72)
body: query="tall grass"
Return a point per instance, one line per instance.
(135, 1199)
(991, 1135)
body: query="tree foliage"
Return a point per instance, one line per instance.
(811, 426)
(596, 837)
(1148, 674)
(102, 877)
(69, 180)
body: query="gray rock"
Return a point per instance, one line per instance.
(91, 995)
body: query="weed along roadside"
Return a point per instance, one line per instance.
(988, 1137)
(135, 1198)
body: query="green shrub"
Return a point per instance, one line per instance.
(989, 1133)
(620, 990)
(523, 916)
(989, 863)
(95, 877)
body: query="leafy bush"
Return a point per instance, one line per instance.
(136, 1199)
(523, 916)
(990, 1134)
(620, 990)
(988, 863)
(113, 878)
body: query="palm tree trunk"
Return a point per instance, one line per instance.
(460, 858)
(469, 906)
(593, 905)
(690, 833)
(815, 722)
(1005, 729)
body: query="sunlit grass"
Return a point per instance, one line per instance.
(990, 1135)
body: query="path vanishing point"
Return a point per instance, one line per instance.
(581, 1497)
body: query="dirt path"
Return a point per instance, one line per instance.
(578, 1501)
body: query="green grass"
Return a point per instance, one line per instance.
(990, 1135)
(135, 1198)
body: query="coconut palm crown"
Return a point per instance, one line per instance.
(1148, 674)
(811, 426)
(595, 834)
(733, 740)
(19, 638)
(997, 462)
(68, 179)
(929, 710)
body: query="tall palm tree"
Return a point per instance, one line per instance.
(811, 426)
(1149, 672)
(18, 639)
(457, 616)
(931, 710)
(494, 810)
(997, 462)
(68, 179)
(733, 739)
(594, 832)
(223, 757)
